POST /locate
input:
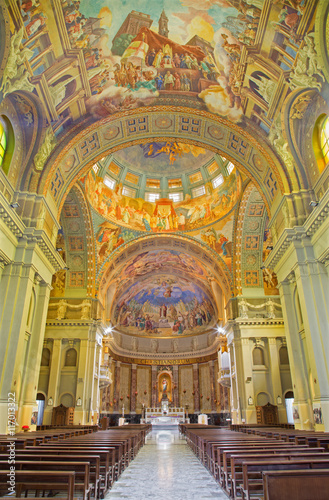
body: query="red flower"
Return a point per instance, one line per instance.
(193, 392)
(25, 427)
(208, 398)
(128, 396)
(184, 391)
(145, 392)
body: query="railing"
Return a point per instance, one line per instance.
(105, 376)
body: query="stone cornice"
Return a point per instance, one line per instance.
(14, 223)
(259, 321)
(4, 259)
(187, 357)
(65, 323)
(298, 233)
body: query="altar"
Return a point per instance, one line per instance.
(167, 416)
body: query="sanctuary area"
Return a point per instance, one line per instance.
(164, 218)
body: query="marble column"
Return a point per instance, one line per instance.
(33, 360)
(91, 368)
(196, 388)
(117, 386)
(312, 286)
(133, 388)
(298, 368)
(80, 414)
(226, 399)
(212, 386)
(245, 380)
(154, 386)
(175, 389)
(54, 375)
(15, 296)
(276, 379)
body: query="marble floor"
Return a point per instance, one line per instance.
(166, 469)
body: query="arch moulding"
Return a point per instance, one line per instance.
(74, 155)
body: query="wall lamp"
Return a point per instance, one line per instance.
(314, 204)
(14, 205)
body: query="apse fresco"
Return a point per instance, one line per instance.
(163, 215)
(164, 304)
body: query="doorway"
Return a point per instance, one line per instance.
(289, 401)
(41, 407)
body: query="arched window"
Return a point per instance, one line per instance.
(321, 141)
(324, 139)
(67, 399)
(258, 356)
(262, 399)
(71, 357)
(45, 359)
(3, 143)
(283, 353)
(7, 143)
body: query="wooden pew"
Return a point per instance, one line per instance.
(40, 481)
(236, 475)
(252, 472)
(297, 484)
(81, 470)
(92, 459)
(107, 464)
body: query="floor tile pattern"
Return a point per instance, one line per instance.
(166, 469)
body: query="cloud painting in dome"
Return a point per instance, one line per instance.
(164, 304)
(163, 215)
(165, 261)
(174, 157)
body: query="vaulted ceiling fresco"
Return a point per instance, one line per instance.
(174, 119)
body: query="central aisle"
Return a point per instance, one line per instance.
(166, 469)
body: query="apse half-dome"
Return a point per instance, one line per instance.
(165, 305)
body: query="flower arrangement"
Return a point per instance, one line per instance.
(25, 428)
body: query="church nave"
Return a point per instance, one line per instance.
(166, 469)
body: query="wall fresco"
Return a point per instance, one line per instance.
(164, 304)
(163, 215)
(132, 56)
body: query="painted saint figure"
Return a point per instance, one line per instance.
(164, 386)
(163, 311)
